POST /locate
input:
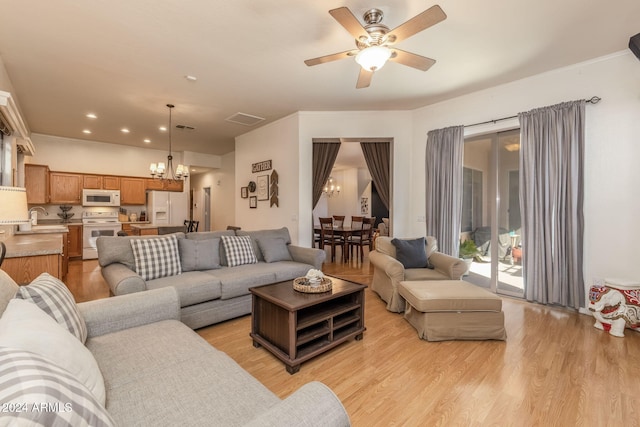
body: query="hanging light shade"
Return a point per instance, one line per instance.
(158, 170)
(373, 58)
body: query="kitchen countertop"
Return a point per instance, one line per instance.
(149, 226)
(33, 244)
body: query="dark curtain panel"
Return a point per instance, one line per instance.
(378, 158)
(443, 187)
(324, 156)
(551, 199)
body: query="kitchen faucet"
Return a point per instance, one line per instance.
(33, 214)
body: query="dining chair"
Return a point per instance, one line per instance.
(328, 237)
(338, 220)
(356, 230)
(365, 238)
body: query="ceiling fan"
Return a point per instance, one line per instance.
(375, 41)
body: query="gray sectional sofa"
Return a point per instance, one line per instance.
(210, 290)
(141, 367)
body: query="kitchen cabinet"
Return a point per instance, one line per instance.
(65, 188)
(36, 181)
(154, 184)
(93, 182)
(164, 184)
(132, 191)
(173, 185)
(74, 241)
(110, 182)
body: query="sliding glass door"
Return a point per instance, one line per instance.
(491, 211)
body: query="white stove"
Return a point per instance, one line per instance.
(97, 223)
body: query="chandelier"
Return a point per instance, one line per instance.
(330, 188)
(160, 171)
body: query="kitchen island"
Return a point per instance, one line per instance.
(29, 255)
(155, 229)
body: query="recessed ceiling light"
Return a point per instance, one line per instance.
(92, 116)
(147, 140)
(87, 131)
(124, 130)
(191, 78)
(163, 128)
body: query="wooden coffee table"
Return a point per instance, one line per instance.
(297, 326)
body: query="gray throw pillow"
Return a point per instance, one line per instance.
(274, 249)
(411, 253)
(199, 254)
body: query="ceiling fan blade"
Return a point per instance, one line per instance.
(420, 22)
(329, 58)
(364, 78)
(411, 59)
(345, 18)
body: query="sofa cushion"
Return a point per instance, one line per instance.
(55, 299)
(411, 252)
(33, 385)
(287, 270)
(182, 378)
(199, 254)
(423, 274)
(157, 257)
(24, 326)
(236, 281)
(258, 234)
(206, 235)
(239, 250)
(8, 289)
(193, 286)
(274, 249)
(118, 249)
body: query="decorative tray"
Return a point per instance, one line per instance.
(301, 284)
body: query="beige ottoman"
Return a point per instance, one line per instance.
(452, 310)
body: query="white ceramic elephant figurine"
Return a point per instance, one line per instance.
(613, 309)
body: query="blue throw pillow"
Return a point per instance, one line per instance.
(411, 253)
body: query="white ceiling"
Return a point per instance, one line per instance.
(125, 59)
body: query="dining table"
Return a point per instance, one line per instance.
(345, 231)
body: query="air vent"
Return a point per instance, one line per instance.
(244, 119)
(184, 127)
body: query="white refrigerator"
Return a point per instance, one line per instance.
(167, 207)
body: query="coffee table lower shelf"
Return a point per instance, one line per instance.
(296, 327)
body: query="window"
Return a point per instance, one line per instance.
(471, 199)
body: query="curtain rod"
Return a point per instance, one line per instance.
(592, 100)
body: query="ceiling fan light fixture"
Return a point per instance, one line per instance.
(373, 58)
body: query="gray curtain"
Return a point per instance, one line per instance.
(551, 199)
(324, 156)
(443, 174)
(378, 158)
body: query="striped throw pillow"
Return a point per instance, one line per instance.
(156, 257)
(239, 250)
(35, 391)
(55, 299)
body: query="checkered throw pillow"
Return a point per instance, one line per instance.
(156, 257)
(239, 250)
(55, 299)
(35, 391)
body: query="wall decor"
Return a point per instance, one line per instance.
(263, 187)
(253, 202)
(252, 187)
(244, 192)
(364, 205)
(273, 190)
(261, 166)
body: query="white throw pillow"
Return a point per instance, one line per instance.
(239, 250)
(54, 298)
(24, 326)
(157, 257)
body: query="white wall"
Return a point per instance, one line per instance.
(222, 203)
(612, 149)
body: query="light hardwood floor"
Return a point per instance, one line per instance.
(554, 369)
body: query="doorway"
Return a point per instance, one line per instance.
(491, 211)
(207, 208)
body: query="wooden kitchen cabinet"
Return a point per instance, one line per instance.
(36, 181)
(110, 182)
(154, 184)
(74, 241)
(65, 188)
(173, 185)
(93, 182)
(164, 184)
(132, 191)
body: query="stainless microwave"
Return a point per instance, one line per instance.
(100, 197)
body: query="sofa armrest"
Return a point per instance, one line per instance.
(313, 404)
(311, 256)
(450, 266)
(108, 315)
(122, 280)
(391, 266)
